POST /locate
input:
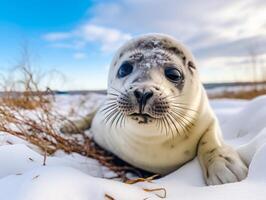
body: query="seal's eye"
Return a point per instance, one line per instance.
(125, 69)
(173, 74)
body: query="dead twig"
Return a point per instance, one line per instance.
(29, 115)
(162, 196)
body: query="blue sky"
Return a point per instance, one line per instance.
(78, 37)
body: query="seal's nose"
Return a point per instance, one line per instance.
(142, 98)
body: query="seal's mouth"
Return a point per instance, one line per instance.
(141, 117)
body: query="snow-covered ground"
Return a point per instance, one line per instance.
(73, 177)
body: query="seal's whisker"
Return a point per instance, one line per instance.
(123, 98)
(118, 119)
(181, 103)
(182, 107)
(111, 99)
(181, 124)
(171, 96)
(183, 120)
(184, 126)
(165, 126)
(106, 109)
(110, 115)
(183, 113)
(170, 118)
(159, 124)
(119, 92)
(170, 127)
(109, 111)
(172, 133)
(110, 103)
(112, 94)
(187, 117)
(179, 95)
(179, 121)
(123, 120)
(114, 117)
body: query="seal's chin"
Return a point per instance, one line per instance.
(142, 118)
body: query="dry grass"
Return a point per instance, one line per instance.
(159, 192)
(239, 94)
(29, 115)
(23, 100)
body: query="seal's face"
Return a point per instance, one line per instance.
(143, 73)
(146, 83)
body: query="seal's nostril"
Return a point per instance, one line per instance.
(138, 95)
(147, 95)
(142, 98)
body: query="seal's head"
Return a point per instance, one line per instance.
(150, 79)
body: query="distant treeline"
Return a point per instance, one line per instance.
(206, 85)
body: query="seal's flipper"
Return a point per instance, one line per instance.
(78, 126)
(220, 163)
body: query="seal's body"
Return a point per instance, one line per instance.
(157, 115)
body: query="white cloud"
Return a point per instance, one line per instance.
(217, 32)
(108, 38)
(80, 56)
(57, 36)
(199, 24)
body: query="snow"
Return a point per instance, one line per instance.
(74, 177)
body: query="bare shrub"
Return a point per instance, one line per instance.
(26, 112)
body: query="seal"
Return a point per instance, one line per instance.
(157, 116)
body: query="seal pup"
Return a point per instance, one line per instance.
(157, 116)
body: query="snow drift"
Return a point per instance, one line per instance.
(74, 177)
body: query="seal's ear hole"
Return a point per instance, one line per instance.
(191, 66)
